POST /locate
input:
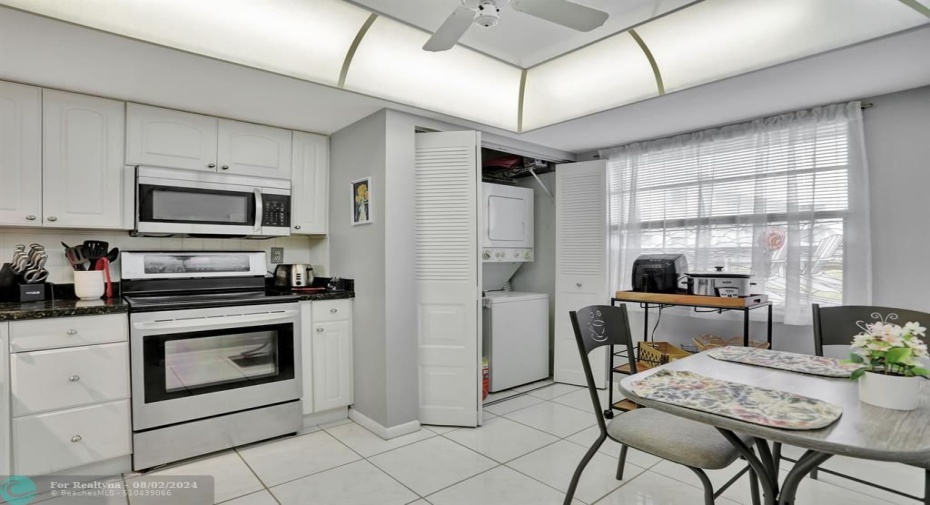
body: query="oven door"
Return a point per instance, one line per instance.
(193, 364)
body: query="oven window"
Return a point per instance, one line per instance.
(189, 364)
(166, 204)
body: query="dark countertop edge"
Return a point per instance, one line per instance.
(12, 311)
(319, 297)
(58, 308)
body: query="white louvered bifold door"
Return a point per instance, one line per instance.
(581, 266)
(448, 313)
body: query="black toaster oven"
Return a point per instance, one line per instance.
(658, 273)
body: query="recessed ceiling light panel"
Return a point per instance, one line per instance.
(604, 75)
(305, 39)
(716, 39)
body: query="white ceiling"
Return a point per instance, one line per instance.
(45, 52)
(521, 39)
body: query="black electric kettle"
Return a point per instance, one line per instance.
(293, 276)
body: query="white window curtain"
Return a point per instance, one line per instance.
(784, 198)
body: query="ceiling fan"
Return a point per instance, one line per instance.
(487, 13)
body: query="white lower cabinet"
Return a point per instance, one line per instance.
(46, 443)
(4, 400)
(326, 355)
(69, 391)
(332, 365)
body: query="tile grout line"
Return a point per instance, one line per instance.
(260, 481)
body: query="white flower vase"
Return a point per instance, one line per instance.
(889, 391)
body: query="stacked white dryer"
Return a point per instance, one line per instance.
(516, 324)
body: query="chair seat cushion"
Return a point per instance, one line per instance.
(674, 438)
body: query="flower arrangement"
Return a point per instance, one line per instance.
(890, 349)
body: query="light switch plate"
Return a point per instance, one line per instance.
(277, 255)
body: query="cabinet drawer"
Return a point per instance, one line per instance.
(65, 378)
(332, 310)
(68, 332)
(55, 441)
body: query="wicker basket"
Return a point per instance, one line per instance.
(705, 342)
(653, 354)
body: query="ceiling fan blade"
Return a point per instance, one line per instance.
(563, 12)
(451, 30)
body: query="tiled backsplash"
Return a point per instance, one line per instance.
(297, 248)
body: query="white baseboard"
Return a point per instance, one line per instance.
(324, 417)
(381, 430)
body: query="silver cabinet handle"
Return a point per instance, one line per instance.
(76, 438)
(225, 167)
(30, 218)
(74, 378)
(52, 218)
(319, 330)
(578, 284)
(334, 310)
(297, 227)
(72, 332)
(211, 165)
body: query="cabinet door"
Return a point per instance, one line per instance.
(5, 435)
(82, 163)
(332, 365)
(251, 149)
(310, 184)
(306, 356)
(580, 263)
(170, 138)
(20, 155)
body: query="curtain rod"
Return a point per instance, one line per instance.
(597, 156)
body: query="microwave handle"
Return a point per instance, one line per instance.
(259, 209)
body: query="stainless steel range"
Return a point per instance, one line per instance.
(215, 360)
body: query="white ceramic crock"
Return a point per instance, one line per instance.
(89, 285)
(889, 391)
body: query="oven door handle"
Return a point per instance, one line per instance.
(214, 321)
(259, 209)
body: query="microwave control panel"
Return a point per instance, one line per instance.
(276, 211)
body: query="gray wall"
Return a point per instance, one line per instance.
(357, 252)
(539, 276)
(897, 138)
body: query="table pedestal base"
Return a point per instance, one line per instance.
(766, 468)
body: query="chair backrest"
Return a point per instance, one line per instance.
(838, 325)
(596, 326)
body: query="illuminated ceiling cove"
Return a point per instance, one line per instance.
(346, 46)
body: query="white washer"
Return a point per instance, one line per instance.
(516, 337)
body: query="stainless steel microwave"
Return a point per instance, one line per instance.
(191, 203)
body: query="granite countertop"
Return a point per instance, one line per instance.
(13, 311)
(316, 297)
(66, 307)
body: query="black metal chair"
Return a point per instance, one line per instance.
(837, 326)
(690, 443)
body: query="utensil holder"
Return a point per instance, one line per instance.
(89, 285)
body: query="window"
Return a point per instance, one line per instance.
(773, 198)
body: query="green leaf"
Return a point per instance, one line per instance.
(857, 373)
(855, 358)
(898, 354)
(920, 371)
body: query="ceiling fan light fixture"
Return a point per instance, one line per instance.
(488, 14)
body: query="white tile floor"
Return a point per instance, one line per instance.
(524, 454)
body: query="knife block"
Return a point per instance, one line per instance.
(12, 290)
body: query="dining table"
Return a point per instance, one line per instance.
(862, 430)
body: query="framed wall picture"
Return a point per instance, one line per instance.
(361, 201)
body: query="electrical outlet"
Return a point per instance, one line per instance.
(277, 255)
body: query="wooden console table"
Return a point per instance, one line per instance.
(663, 300)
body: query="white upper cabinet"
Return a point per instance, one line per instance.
(251, 149)
(310, 184)
(170, 138)
(82, 161)
(20, 155)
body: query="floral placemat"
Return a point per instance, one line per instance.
(766, 407)
(788, 361)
